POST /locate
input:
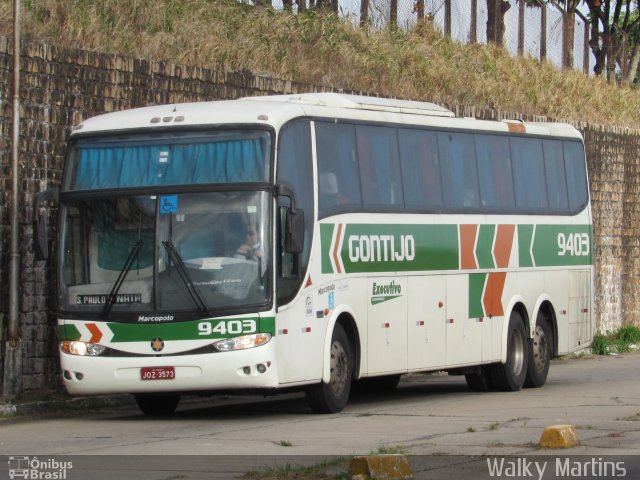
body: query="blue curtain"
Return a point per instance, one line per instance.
(231, 161)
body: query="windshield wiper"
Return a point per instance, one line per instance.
(184, 276)
(111, 299)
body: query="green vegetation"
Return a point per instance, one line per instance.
(318, 48)
(619, 341)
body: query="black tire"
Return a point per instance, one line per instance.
(385, 383)
(510, 376)
(540, 348)
(332, 397)
(155, 405)
(480, 381)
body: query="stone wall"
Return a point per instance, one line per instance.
(61, 87)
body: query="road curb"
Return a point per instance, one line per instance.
(381, 467)
(11, 408)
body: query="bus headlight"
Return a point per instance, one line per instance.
(241, 343)
(82, 348)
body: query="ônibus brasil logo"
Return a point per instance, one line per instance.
(38, 469)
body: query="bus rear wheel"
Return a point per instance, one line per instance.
(154, 405)
(332, 397)
(510, 376)
(539, 355)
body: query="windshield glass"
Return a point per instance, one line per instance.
(186, 252)
(177, 158)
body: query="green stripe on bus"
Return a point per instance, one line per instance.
(138, 332)
(399, 248)
(68, 332)
(484, 248)
(525, 234)
(562, 245)
(326, 234)
(476, 288)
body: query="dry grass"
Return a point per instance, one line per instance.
(319, 48)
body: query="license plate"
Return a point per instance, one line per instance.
(157, 373)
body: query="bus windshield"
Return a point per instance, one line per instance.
(198, 252)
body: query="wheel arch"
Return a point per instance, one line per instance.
(545, 308)
(516, 305)
(346, 319)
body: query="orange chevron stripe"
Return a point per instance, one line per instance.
(492, 299)
(503, 243)
(468, 235)
(336, 257)
(96, 334)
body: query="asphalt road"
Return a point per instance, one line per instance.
(448, 431)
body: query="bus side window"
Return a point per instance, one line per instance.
(528, 173)
(420, 168)
(336, 149)
(494, 171)
(555, 172)
(576, 175)
(379, 166)
(460, 176)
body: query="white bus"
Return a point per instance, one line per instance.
(317, 241)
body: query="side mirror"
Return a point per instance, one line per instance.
(40, 222)
(294, 231)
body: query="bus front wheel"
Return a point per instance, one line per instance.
(510, 376)
(332, 397)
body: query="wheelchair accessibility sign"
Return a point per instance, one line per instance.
(169, 204)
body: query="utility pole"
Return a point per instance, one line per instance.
(11, 379)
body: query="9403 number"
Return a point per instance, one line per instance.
(574, 244)
(224, 327)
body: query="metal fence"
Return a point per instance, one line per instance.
(459, 22)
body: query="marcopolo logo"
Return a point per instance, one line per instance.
(385, 292)
(38, 469)
(381, 248)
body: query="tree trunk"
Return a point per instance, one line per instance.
(393, 13)
(364, 12)
(521, 28)
(568, 36)
(447, 18)
(543, 32)
(473, 29)
(632, 71)
(496, 9)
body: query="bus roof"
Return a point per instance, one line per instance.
(276, 110)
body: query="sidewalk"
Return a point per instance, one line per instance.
(61, 404)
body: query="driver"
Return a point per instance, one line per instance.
(251, 248)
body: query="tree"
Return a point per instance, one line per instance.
(615, 38)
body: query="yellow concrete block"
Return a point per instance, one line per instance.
(559, 436)
(381, 467)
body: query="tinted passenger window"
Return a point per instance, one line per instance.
(576, 175)
(528, 173)
(460, 176)
(379, 166)
(420, 169)
(494, 171)
(338, 179)
(556, 178)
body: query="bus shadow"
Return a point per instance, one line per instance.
(231, 407)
